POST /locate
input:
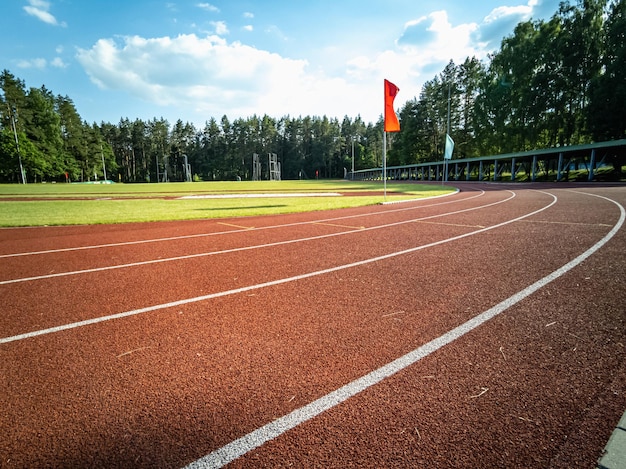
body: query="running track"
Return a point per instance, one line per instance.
(482, 329)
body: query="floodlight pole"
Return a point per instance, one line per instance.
(104, 168)
(17, 143)
(352, 173)
(353, 137)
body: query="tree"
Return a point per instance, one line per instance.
(12, 99)
(606, 115)
(74, 156)
(43, 128)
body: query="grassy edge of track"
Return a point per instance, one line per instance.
(70, 204)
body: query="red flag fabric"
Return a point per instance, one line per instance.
(391, 120)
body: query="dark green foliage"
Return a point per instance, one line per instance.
(607, 94)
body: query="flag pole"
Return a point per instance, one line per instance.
(447, 133)
(385, 165)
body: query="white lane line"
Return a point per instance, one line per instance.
(276, 428)
(240, 227)
(235, 291)
(217, 233)
(245, 248)
(337, 225)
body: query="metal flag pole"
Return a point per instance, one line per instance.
(447, 133)
(385, 165)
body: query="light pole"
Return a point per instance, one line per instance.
(17, 143)
(353, 137)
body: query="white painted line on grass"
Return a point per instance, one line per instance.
(276, 195)
(246, 248)
(271, 227)
(276, 428)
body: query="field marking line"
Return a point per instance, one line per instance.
(244, 248)
(481, 193)
(267, 195)
(237, 448)
(258, 286)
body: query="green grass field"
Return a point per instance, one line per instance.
(79, 204)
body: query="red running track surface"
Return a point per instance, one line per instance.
(193, 343)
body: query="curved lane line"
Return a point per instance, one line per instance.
(202, 235)
(246, 248)
(274, 429)
(270, 283)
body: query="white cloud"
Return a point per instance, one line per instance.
(196, 78)
(207, 74)
(199, 78)
(248, 27)
(220, 27)
(433, 39)
(428, 43)
(40, 10)
(57, 62)
(248, 15)
(208, 7)
(520, 11)
(501, 21)
(424, 48)
(38, 63)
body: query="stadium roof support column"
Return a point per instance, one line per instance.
(592, 164)
(559, 168)
(513, 170)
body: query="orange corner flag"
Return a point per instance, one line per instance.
(391, 120)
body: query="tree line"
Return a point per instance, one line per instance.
(551, 83)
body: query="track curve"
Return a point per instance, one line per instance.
(160, 344)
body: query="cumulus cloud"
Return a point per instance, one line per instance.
(204, 77)
(428, 43)
(38, 63)
(58, 62)
(40, 9)
(433, 39)
(210, 75)
(220, 27)
(423, 49)
(208, 7)
(501, 21)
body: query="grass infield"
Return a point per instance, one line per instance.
(81, 204)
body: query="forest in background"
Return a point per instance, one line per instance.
(551, 83)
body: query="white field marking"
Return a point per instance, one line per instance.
(201, 235)
(271, 195)
(237, 448)
(246, 248)
(271, 283)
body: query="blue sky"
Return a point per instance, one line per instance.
(193, 60)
